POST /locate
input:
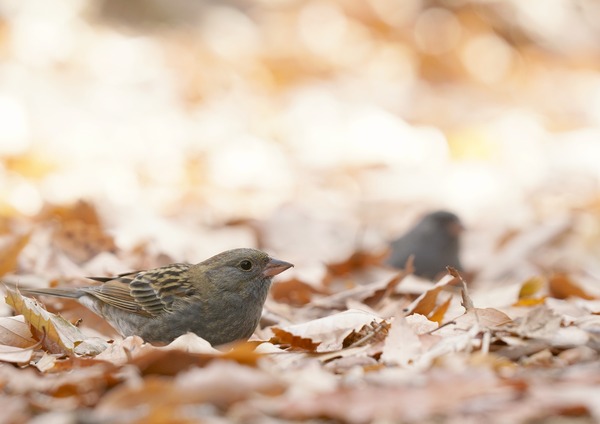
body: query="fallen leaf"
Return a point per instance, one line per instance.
(485, 318)
(56, 333)
(221, 384)
(357, 261)
(402, 345)
(427, 301)
(540, 322)
(531, 287)
(380, 295)
(293, 292)
(360, 293)
(15, 332)
(561, 286)
(15, 355)
(437, 315)
(10, 253)
(324, 334)
(79, 233)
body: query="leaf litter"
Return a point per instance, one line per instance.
(404, 338)
(343, 337)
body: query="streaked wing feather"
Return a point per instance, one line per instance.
(157, 289)
(105, 279)
(117, 293)
(148, 293)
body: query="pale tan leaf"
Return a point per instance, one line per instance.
(402, 345)
(14, 331)
(56, 333)
(15, 354)
(541, 322)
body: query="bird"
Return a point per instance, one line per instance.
(220, 299)
(434, 242)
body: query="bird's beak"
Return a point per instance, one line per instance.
(456, 228)
(275, 266)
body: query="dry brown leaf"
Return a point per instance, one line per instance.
(293, 292)
(79, 232)
(186, 351)
(427, 301)
(293, 342)
(80, 211)
(437, 315)
(325, 334)
(56, 333)
(561, 286)
(380, 295)
(357, 261)
(10, 253)
(360, 293)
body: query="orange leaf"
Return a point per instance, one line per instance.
(425, 303)
(438, 313)
(356, 261)
(293, 292)
(10, 254)
(295, 342)
(562, 286)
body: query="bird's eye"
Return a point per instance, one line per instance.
(246, 265)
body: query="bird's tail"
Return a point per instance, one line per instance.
(58, 292)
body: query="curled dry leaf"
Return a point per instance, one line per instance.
(56, 333)
(14, 331)
(426, 303)
(17, 344)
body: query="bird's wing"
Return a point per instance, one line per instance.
(148, 293)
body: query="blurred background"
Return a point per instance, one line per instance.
(138, 132)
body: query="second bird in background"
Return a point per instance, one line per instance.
(435, 243)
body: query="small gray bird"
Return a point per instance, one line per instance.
(435, 243)
(220, 299)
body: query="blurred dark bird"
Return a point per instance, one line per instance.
(220, 299)
(435, 243)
